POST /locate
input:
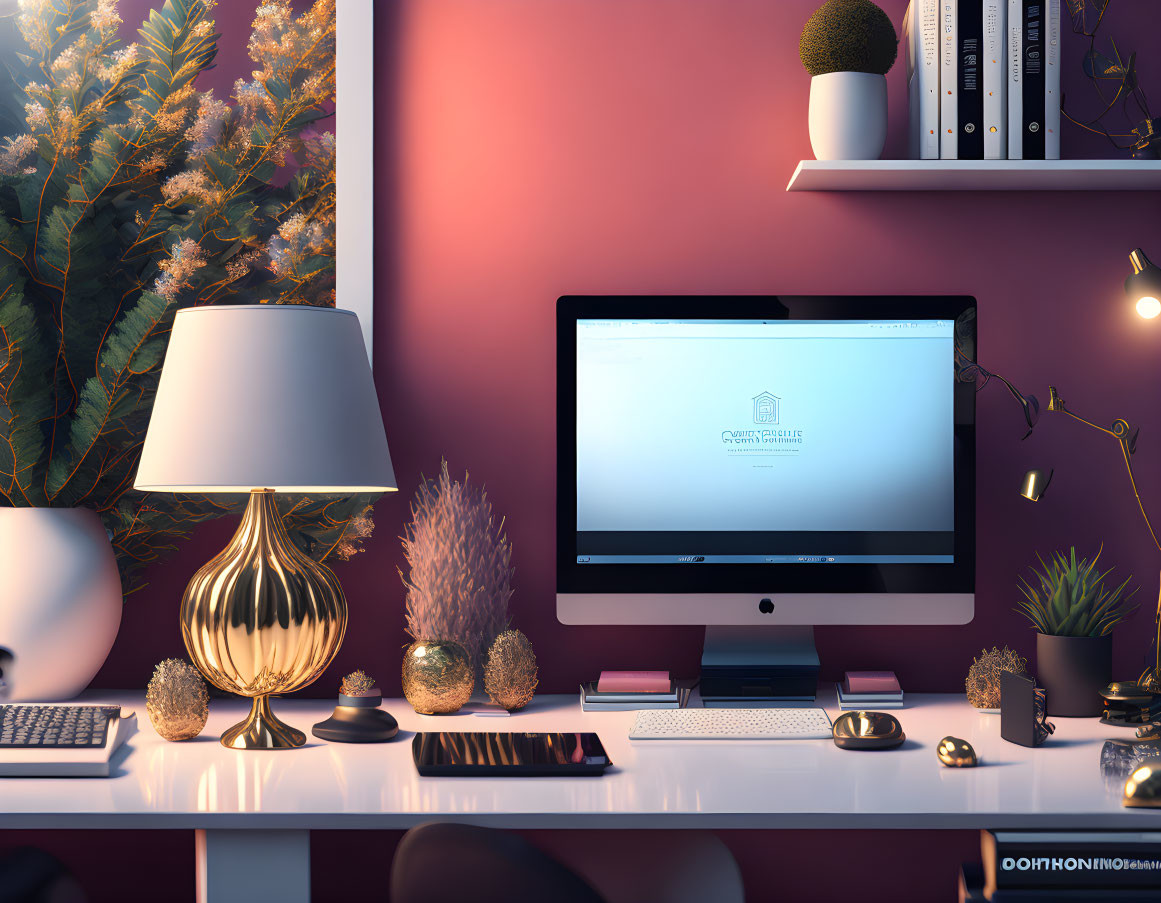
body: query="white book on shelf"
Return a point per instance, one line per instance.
(911, 58)
(921, 39)
(995, 80)
(1015, 80)
(948, 80)
(1052, 83)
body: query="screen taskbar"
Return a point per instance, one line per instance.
(765, 559)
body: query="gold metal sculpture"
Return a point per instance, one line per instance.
(956, 753)
(438, 676)
(982, 683)
(262, 619)
(1143, 788)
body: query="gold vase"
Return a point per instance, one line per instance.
(262, 619)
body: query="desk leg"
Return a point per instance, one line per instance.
(240, 866)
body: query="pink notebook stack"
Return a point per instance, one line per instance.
(619, 691)
(633, 682)
(870, 690)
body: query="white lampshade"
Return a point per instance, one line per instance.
(265, 396)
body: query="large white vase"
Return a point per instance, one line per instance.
(848, 115)
(60, 602)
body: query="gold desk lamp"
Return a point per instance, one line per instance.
(262, 399)
(1143, 286)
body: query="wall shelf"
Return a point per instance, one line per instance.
(976, 175)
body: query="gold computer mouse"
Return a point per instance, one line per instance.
(867, 730)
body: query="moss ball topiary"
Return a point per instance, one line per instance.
(848, 36)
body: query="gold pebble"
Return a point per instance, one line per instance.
(956, 753)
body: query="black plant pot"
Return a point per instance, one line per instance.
(1073, 670)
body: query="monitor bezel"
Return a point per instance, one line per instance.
(574, 578)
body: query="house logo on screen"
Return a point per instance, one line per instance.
(766, 408)
(766, 412)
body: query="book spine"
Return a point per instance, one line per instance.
(927, 23)
(1052, 84)
(1032, 72)
(1072, 864)
(969, 80)
(1015, 80)
(910, 42)
(995, 80)
(948, 116)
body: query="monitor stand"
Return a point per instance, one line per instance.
(754, 667)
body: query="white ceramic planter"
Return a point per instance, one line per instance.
(60, 601)
(848, 115)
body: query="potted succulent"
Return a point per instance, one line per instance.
(1074, 614)
(848, 46)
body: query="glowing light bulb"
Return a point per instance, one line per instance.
(1148, 307)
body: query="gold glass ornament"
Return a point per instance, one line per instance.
(956, 753)
(176, 700)
(437, 676)
(510, 673)
(1143, 788)
(262, 619)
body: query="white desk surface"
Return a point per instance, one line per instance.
(655, 784)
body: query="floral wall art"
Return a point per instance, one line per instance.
(128, 191)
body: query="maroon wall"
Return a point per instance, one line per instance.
(531, 149)
(528, 149)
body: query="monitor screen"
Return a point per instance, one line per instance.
(791, 444)
(764, 441)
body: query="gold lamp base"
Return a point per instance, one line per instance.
(261, 729)
(262, 619)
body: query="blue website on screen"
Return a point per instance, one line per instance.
(748, 441)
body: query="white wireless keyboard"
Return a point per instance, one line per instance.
(732, 724)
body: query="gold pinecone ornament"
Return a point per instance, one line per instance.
(437, 676)
(983, 678)
(510, 673)
(176, 700)
(357, 683)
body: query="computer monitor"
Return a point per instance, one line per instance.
(762, 464)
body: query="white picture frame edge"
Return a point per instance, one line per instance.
(354, 162)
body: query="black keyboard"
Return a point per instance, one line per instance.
(55, 726)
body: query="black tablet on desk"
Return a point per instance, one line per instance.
(510, 754)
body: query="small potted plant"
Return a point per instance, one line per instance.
(1074, 614)
(848, 46)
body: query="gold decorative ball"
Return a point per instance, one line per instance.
(510, 673)
(176, 700)
(437, 676)
(983, 678)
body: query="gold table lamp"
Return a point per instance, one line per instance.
(264, 399)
